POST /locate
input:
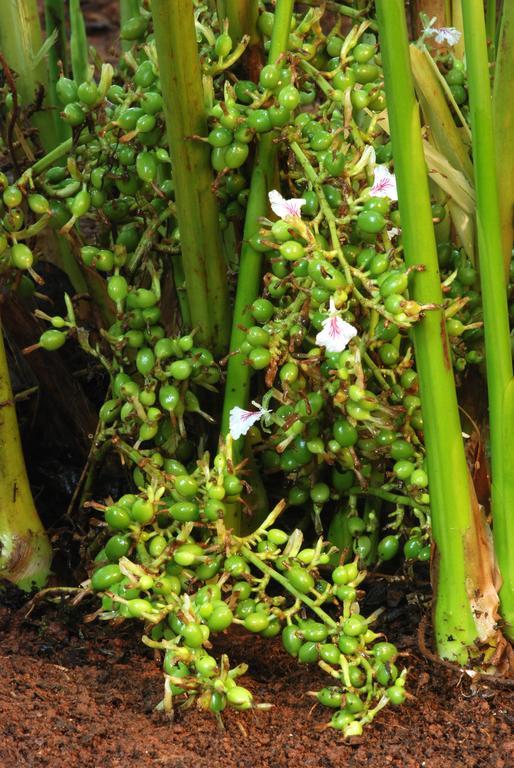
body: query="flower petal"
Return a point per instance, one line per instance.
(285, 208)
(240, 421)
(448, 35)
(384, 183)
(335, 334)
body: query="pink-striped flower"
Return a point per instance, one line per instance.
(283, 208)
(240, 420)
(384, 183)
(336, 333)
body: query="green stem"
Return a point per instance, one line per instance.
(25, 553)
(494, 298)
(147, 237)
(20, 42)
(281, 27)
(503, 94)
(237, 388)
(55, 24)
(128, 9)
(284, 582)
(453, 529)
(55, 154)
(78, 44)
(457, 23)
(490, 25)
(335, 7)
(242, 18)
(385, 495)
(197, 212)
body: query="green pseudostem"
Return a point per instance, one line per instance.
(491, 31)
(55, 24)
(197, 211)
(78, 44)
(494, 298)
(237, 388)
(25, 553)
(57, 59)
(503, 96)
(452, 520)
(242, 18)
(20, 44)
(128, 9)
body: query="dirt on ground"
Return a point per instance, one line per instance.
(81, 694)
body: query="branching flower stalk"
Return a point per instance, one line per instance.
(453, 529)
(494, 298)
(25, 553)
(197, 211)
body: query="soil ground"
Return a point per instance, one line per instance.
(80, 694)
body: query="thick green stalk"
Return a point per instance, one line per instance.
(57, 61)
(237, 390)
(20, 42)
(237, 387)
(281, 27)
(78, 43)
(25, 553)
(452, 521)
(197, 212)
(458, 49)
(494, 299)
(55, 24)
(242, 18)
(128, 9)
(503, 97)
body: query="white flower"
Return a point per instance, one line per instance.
(393, 232)
(283, 208)
(384, 183)
(335, 333)
(240, 420)
(445, 35)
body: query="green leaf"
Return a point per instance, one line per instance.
(433, 94)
